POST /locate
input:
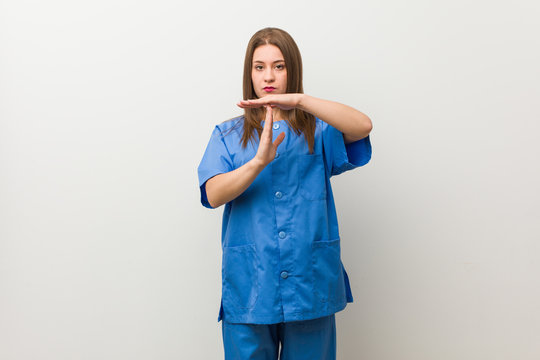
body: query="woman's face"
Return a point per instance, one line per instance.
(268, 71)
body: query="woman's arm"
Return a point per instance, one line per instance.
(226, 187)
(354, 124)
(223, 188)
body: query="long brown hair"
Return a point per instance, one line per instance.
(298, 120)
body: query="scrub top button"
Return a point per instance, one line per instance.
(284, 274)
(276, 126)
(277, 155)
(279, 194)
(282, 234)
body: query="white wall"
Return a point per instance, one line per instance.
(106, 108)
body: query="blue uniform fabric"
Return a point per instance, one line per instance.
(280, 238)
(300, 340)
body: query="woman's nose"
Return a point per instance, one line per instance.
(269, 75)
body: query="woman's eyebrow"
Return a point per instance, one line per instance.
(260, 61)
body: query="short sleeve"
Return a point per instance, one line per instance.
(341, 157)
(216, 160)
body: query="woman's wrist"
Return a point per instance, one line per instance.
(301, 102)
(256, 164)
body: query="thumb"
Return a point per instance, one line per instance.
(279, 140)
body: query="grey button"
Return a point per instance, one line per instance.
(277, 155)
(279, 194)
(282, 234)
(276, 126)
(284, 274)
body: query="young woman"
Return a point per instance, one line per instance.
(282, 275)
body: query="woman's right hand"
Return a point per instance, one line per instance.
(267, 149)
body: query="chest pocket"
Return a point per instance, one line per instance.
(311, 177)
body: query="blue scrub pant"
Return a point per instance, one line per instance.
(300, 340)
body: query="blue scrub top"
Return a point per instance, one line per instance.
(280, 238)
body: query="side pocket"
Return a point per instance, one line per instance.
(239, 276)
(311, 177)
(328, 281)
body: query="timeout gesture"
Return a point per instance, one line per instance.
(267, 149)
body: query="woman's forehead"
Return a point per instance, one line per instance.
(267, 53)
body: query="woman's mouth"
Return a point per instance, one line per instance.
(269, 89)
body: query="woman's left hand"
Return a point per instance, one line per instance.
(282, 101)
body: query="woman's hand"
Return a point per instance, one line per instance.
(225, 187)
(281, 101)
(267, 149)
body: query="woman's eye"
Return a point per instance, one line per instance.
(258, 67)
(280, 66)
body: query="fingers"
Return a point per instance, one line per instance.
(280, 101)
(269, 115)
(269, 119)
(267, 149)
(251, 103)
(255, 103)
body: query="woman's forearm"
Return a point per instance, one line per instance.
(226, 187)
(354, 124)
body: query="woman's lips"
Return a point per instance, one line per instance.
(269, 89)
